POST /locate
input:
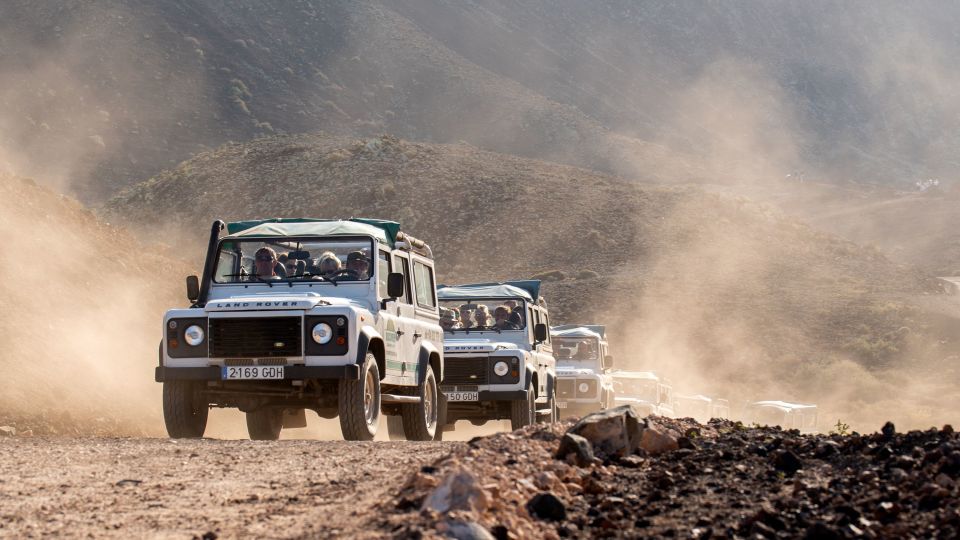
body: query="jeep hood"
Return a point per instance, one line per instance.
(276, 302)
(476, 346)
(575, 372)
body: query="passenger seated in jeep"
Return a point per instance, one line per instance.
(466, 318)
(448, 320)
(502, 320)
(482, 316)
(327, 264)
(357, 263)
(516, 314)
(265, 265)
(290, 267)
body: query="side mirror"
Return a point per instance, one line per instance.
(540, 333)
(608, 362)
(193, 289)
(395, 285)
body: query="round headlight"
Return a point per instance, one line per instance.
(583, 387)
(501, 368)
(322, 333)
(193, 335)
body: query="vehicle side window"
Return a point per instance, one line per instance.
(404, 268)
(546, 319)
(227, 266)
(383, 270)
(423, 275)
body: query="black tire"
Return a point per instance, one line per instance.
(421, 420)
(554, 416)
(184, 409)
(395, 428)
(441, 417)
(359, 403)
(265, 424)
(523, 412)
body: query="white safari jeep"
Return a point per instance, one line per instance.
(499, 362)
(584, 384)
(645, 391)
(339, 317)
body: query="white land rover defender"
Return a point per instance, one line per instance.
(584, 384)
(499, 362)
(645, 392)
(347, 325)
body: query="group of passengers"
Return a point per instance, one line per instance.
(477, 316)
(268, 265)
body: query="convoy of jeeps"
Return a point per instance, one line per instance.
(345, 318)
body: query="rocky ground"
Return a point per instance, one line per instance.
(609, 476)
(675, 478)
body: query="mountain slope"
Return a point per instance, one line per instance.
(110, 93)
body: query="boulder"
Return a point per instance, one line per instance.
(459, 490)
(614, 432)
(8, 431)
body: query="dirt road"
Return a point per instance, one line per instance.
(161, 488)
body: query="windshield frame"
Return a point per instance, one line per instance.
(371, 263)
(486, 300)
(558, 341)
(652, 385)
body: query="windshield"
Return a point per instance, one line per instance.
(576, 350)
(289, 259)
(497, 314)
(636, 388)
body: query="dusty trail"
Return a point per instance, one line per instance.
(159, 488)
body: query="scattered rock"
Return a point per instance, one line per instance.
(460, 490)
(658, 440)
(888, 430)
(787, 462)
(576, 450)
(467, 530)
(129, 482)
(547, 506)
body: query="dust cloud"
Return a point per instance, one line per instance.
(80, 325)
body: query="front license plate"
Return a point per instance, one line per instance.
(462, 396)
(240, 373)
(561, 404)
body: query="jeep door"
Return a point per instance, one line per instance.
(406, 363)
(427, 318)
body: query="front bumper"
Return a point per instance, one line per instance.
(212, 373)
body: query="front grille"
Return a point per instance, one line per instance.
(255, 338)
(272, 362)
(591, 388)
(566, 388)
(458, 371)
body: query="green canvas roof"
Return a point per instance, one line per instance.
(578, 330)
(385, 231)
(483, 290)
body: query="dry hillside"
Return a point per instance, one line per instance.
(721, 292)
(119, 90)
(79, 324)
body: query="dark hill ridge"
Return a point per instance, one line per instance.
(691, 281)
(110, 93)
